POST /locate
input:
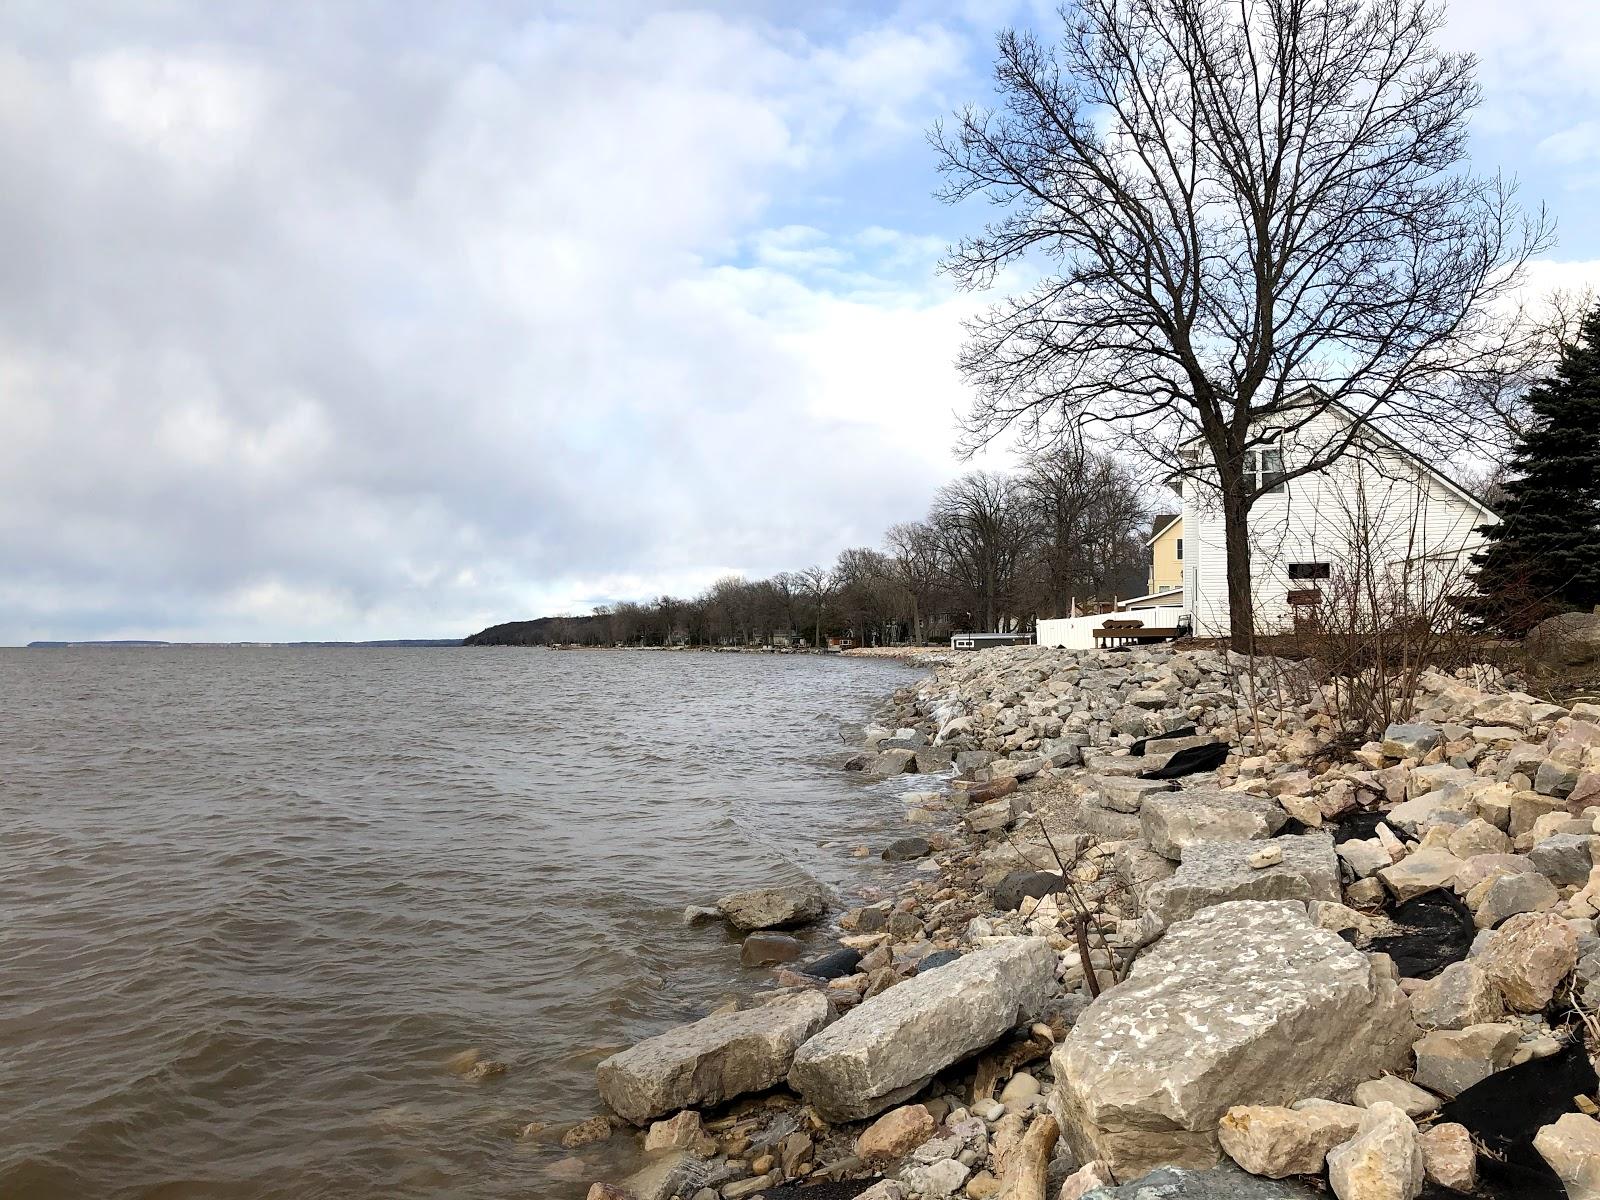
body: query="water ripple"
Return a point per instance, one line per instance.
(251, 900)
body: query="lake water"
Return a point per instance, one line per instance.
(252, 899)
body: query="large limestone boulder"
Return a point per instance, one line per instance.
(1247, 1003)
(886, 1049)
(1217, 872)
(1565, 641)
(1172, 821)
(774, 907)
(712, 1060)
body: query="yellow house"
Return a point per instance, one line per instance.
(1166, 554)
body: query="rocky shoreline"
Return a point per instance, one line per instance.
(1173, 931)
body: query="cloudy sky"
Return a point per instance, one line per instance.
(370, 318)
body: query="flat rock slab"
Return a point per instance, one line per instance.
(885, 1050)
(1216, 872)
(1171, 821)
(1120, 794)
(712, 1060)
(774, 907)
(1222, 1182)
(1246, 1003)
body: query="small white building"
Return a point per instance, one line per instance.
(1378, 507)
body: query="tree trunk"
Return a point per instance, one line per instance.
(916, 621)
(1236, 539)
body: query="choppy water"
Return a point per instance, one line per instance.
(252, 899)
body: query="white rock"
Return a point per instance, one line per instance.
(1572, 1148)
(1201, 1026)
(888, 1047)
(1383, 1160)
(712, 1060)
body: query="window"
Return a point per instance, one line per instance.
(1309, 571)
(1263, 469)
(1180, 549)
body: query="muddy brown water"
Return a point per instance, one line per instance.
(252, 899)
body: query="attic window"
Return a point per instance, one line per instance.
(1309, 571)
(1263, 469)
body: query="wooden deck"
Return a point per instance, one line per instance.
(1117, 633)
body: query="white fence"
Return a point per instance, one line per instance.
(1077, 633)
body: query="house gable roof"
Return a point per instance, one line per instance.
(1165, 527)
(1377, 435)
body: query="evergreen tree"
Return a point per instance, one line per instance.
(1544, 555)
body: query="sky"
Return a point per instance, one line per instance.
(374, 319)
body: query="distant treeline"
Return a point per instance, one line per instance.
(996, 551)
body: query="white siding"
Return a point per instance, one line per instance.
(1410, 513)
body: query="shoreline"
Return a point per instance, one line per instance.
(1034, 818)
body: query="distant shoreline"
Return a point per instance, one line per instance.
(137, 644)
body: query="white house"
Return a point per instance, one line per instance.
(1379, 507)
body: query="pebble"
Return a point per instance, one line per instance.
(1267, 856)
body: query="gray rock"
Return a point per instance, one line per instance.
(1571, 1145)
(1449, 1061)
(1122, 794)
(1246, 1003)
(1567, 640)
(1171, 822)
(1564, 858)
(905, 849)
(1222, 1182)
(1107, 825)
(1017, 886)
(987, 818)
(669, 1174)
(1410, 741)
(712, 1060)
(774, 907)
(892, 762)
(1513, 894)
(1217, 872)
(1555, 778)
(1422, 871)
(1364, 856)
(888, 1047)
(1458, 996)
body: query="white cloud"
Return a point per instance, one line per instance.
(325, 342)
(1536, 60)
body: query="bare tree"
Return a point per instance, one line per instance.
(1088, 507)
(1493, 395)
(865, 581)
(983, 535)
(1235, 198)
(913, 553)
(819, 583)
